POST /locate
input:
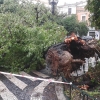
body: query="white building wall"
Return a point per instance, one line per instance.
(73, 10)
(97, 35)
(65, 9)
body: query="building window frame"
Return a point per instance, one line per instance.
(83, 20)
(69, 11)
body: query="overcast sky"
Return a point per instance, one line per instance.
(61, 2)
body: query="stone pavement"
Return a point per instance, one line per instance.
(18, 88)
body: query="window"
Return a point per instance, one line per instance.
(83, 18)
(92, 34)
(69, 11)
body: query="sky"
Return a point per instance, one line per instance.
(61, 2)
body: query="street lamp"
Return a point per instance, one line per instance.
(53, 3)
(1, 1)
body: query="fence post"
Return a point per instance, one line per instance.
(87, 97)
(70, 90)
(83, 97)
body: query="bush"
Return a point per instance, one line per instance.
(22, 47)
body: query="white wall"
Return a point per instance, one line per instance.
(65, 9)
(97, 35)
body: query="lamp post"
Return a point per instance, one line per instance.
(53, 3)
(1, 1)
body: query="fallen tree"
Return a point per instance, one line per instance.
(69, 55)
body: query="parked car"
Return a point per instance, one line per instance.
(87, 38)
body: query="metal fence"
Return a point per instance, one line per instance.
(72, 92)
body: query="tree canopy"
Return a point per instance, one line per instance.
(71, 24)
(27, 30)
(94, 7)
(25, 33)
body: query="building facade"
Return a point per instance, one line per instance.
(69, 9)
(82, 14)
(77, 9)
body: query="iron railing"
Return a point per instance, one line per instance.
(72, 92)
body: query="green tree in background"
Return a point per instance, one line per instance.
(82, 29)
(71, 24)
(94, 7)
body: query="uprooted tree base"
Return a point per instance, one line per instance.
(68, 56)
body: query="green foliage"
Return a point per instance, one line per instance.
(71, 24)
(23, 39)
(94, 7)
(94, 93)
(82, 28)
(94, 74)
